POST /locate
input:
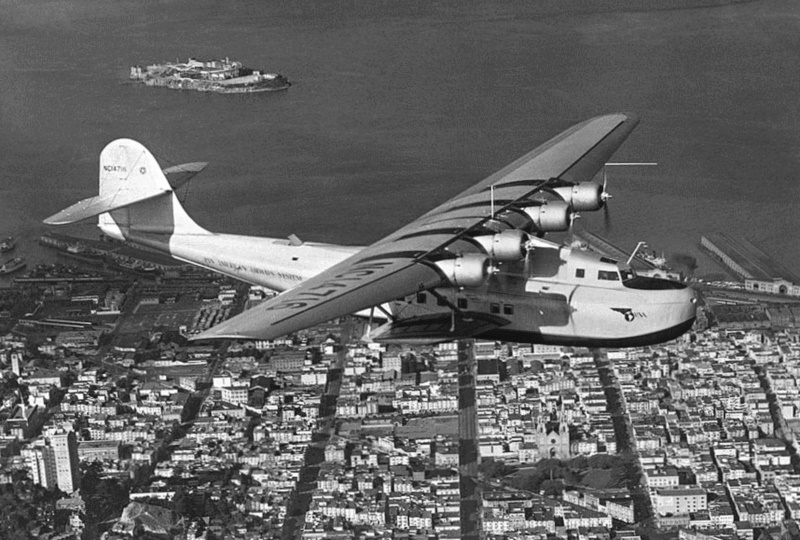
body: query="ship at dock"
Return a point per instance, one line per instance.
(221, 76)
(10, 266)
(7, 244)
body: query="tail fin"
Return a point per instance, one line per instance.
(128, 168)
(134, 196)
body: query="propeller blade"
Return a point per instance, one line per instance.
(571, 231)
(570, 308)
(528, 251)
(605, 195)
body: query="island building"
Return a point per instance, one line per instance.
(223, 76)
(759, 271)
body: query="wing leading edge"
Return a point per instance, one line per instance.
(404, 262)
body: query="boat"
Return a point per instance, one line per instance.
(12, 265)
(654, 259)
(76, 248)
(7, 244)
(221, 76)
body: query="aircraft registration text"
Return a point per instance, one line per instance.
(338, 283)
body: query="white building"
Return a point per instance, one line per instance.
(54, 462)
(679, 501)
(65, 449)
(235, 394)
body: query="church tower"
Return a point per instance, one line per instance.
(552, 437)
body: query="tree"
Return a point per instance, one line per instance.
(24, 505)
(493, 468)
(180, 504)
(90, 478)
(552, 488)
(603, 461)
(209, 508)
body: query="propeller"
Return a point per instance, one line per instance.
(557, 311)
(570, 307)
(604, 197)
(528, 251)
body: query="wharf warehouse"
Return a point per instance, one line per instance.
(759, 271)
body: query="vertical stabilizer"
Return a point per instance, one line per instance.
(128, 168)
(128, 171)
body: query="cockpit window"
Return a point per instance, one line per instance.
(652, 284)
(607, 260)
(627, 274)
(607, 275)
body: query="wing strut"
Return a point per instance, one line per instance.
(369, 324)
(454, 310)
(441, 298)
(385, 312)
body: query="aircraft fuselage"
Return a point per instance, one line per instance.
(561, 296)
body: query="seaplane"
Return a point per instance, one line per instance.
(476, 266)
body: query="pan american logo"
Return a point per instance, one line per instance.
(629, 314)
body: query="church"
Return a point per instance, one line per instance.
(552, 436)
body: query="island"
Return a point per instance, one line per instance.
(222, 76)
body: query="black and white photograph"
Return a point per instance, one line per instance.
(399, 270)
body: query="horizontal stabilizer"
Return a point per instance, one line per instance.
(128, 174)
(432, 329)
(94, 206)
(180, 174)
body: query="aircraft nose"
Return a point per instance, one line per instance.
(688, 301)
(679, 311)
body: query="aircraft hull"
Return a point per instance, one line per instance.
(653, 338)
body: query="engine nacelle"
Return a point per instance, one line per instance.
(585, 196)
(468, 270)
(551, 217)
(504, 246)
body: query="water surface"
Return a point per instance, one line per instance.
(398, 105)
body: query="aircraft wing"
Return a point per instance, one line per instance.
(404, 262)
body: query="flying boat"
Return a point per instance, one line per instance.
(478, 265)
